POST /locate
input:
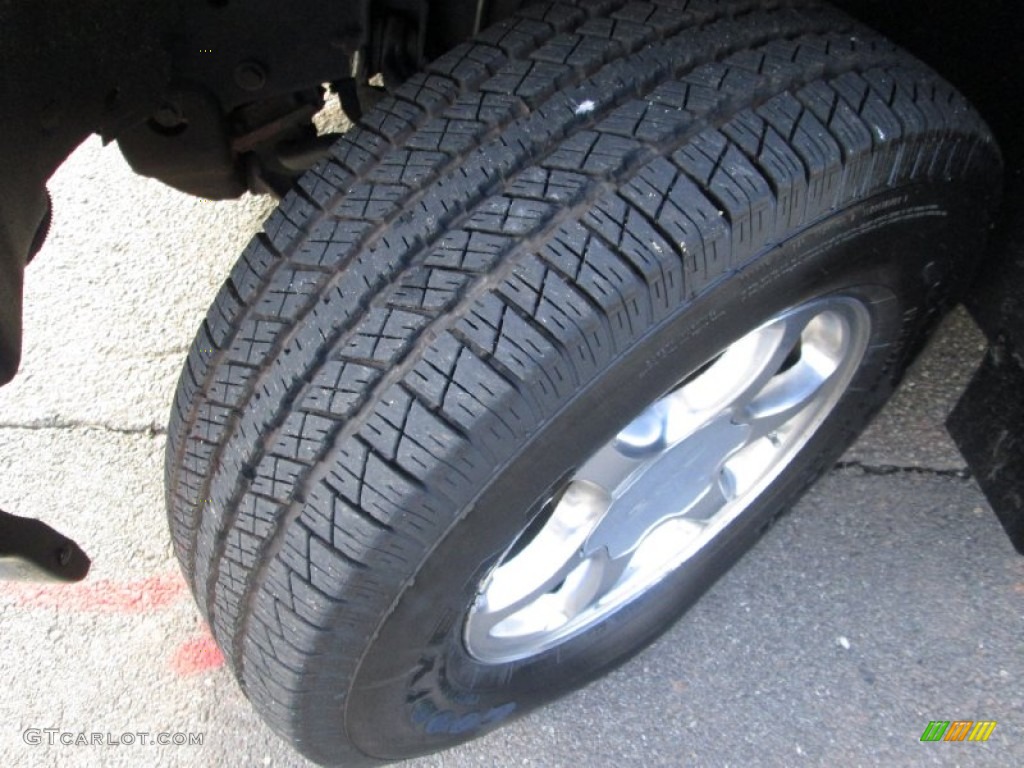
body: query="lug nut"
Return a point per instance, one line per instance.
(168, 115)
(250, 76)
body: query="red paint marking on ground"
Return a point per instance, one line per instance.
(100, 596)
(200, 654)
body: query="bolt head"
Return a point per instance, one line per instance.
(167, 115)
(250, 76)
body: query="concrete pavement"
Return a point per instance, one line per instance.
(888, 598)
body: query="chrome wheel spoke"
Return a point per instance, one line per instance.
(765, 351)
(812, 374)
(504, 597)
(578, 585)
(609, 467)
(601, 574)
(780, 401)
(716, 495)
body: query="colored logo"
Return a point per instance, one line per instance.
(958, 730)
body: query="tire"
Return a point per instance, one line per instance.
(501, 272)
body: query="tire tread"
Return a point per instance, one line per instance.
(486, 241)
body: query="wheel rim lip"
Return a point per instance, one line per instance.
(845, 313)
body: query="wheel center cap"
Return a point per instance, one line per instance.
(684, 479)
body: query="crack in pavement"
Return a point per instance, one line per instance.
(895, 469)
(151, 430)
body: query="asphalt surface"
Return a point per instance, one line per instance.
(889, 597)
